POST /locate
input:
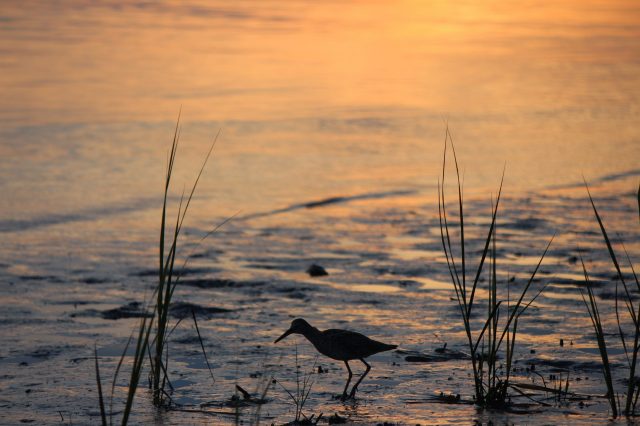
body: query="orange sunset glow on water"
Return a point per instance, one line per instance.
(325, 199)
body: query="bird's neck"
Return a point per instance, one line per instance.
(312, 334)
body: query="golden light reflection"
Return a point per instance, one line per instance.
(267, 59)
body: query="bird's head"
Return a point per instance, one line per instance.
(298, 326)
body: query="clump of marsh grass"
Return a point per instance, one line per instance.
(153, 330)
(167, 276)
(299, 396)
(499, 331)
(631, 350)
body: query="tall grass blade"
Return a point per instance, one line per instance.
(612, 253)
(204, 352)
(516, 312)
(594, 315)
(461, 214)
(444, 215)
(138, 363)
(485, 250)
(115, 377)
(103, 413)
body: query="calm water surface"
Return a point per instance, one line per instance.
(314, 100)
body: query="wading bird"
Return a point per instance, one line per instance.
(342, 345)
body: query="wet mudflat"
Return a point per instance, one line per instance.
(387, 277)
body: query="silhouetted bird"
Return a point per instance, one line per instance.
(342, 345)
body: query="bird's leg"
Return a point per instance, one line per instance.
(344, 392)
(355, 387)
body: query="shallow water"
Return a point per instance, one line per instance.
(377, 284)
(332, 120)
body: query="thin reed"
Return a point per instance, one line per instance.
(631, 350)
(491, 380)
(301, 394)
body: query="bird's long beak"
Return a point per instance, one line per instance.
(286, 333)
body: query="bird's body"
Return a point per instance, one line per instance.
(342, 345)
(345, 345)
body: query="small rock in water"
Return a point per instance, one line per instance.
(316, 271)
